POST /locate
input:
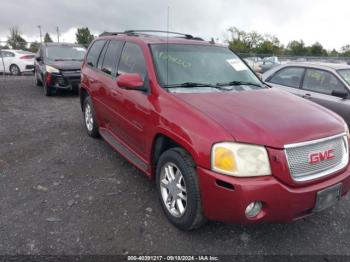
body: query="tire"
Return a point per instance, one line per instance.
(90, 118)
(37, 81)
(14, 70)
(48, 91)
(190, 215)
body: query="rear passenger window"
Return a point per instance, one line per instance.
(132, 60)
(290, 76)
(94, 53)
(111, 57)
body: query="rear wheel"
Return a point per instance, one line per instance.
(14, 70)
(90, 118)
(178, 189)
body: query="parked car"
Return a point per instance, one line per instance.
(269, 63)
(324, 83)
(58, 66)
(16, 62)
(254, 63)
(219, 143)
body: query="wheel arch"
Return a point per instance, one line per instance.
(163, 142)
(83, 93)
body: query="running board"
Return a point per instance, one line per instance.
(123, 150)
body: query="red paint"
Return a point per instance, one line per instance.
(269, 117)
(317, 157)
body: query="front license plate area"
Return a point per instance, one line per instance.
(327, 197)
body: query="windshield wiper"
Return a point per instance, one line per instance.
(193, 84)
(238, 83)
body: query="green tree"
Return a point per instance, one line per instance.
(316, 50)
(47, 38)
(333, 53)
(34, 47)
(83, 36)
(345, 51)
(296, 48)
(15, 40)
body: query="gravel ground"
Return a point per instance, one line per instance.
(62, 192)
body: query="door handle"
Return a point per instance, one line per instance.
(307, 96)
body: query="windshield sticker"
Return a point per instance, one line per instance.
(174, 60)
(237, 64)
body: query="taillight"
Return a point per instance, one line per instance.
(27, 57)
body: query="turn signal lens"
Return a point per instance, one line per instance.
(224, 159)
(241, 160)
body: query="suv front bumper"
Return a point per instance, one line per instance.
(225, 198)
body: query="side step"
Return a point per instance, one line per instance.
(123, 150)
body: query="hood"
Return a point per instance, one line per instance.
(267, 117)
(65, 65)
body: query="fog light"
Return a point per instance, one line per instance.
(253, 209)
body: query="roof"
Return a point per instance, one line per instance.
(321, 65)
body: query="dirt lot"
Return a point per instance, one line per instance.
(62, 192)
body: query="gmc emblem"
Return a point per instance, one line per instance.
(321, 156)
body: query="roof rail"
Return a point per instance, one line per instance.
(145, 33)
(111, 33)
(136, 32)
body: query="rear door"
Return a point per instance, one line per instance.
(288, 79)
(91, 77)
(318, 86)
(108, 72)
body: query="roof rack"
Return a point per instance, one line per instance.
(145, 33)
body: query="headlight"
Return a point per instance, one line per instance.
(51, 69)
(240, 160)
(346, 130)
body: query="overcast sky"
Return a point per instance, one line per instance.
(326, 21)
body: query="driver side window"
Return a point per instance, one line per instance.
(322, 82)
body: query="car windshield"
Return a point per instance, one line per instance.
(345, 74)
(65, 52)
(202, 66)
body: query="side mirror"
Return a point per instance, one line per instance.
(132, 81)
(341, 94)
(38, 58)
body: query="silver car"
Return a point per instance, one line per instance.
(323, 83)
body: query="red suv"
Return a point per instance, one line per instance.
(220, 144)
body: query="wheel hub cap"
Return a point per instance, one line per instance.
(173, 189)
(89, 121)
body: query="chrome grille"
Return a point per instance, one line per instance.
(298, 156)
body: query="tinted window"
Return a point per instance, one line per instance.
(94, 52)
(7, 54)
(132, 60)
(102, 56)
(111, 57)
(290, 76)
(321, 81)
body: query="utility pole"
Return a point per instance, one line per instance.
(41, 37)
(58, 34)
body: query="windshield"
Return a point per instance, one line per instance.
(182, 63)
(345, 74)
(65, 52)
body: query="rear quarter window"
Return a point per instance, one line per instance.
(94, 53)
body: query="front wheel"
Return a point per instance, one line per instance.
(178, 189)
(37, 80)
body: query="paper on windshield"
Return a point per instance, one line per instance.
(237, 64)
